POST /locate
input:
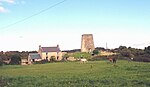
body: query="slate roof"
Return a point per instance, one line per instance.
(34, 56)
(50, 49)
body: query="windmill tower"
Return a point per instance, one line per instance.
(87, 43)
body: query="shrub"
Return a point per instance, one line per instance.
(15, 60)
(143, 58)
(53, 59)
(65, 57)
(95, 52)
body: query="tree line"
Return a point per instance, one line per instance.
(13, 57)
(123, 52)
(142, 55)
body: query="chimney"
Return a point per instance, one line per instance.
(39, 46)
(57, 45)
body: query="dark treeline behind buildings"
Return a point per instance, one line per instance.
(14, 57)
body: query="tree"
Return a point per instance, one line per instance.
(15, 59)
(95, 52)
(122, 47)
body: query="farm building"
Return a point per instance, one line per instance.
(47, 53)
(24, 61)
(33, 57)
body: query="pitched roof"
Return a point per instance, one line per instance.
(50, 49)
(34, 56)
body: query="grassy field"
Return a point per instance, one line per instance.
(75, 74)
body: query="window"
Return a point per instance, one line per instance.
(57, 57)
(46, 55)
(46, 58)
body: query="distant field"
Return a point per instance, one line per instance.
(74, 74)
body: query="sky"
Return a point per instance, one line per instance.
(26, 24)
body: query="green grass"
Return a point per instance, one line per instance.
(75, 74)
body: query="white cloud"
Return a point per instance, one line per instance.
(8, 1)
(3, 10)
(3, 2)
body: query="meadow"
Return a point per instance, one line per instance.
(74, 74)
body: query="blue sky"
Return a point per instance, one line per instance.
(115, 22)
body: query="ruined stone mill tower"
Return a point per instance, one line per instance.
(87, 43)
